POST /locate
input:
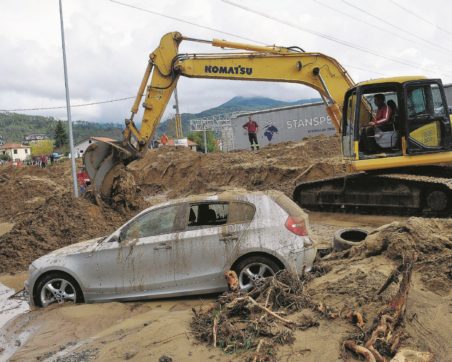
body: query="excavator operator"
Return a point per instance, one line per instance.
(383, 121)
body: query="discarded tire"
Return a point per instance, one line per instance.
(346, 238)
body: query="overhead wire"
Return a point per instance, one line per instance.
(200, 26)
(420, 17)
(445, 50)
(331, 38)
(186, 21)
(360, 20)
(72, 105)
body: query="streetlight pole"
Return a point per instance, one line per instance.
(68, 106)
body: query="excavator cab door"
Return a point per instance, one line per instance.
(427, 126)
(348, 125)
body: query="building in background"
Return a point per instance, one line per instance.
(81, 147)
(35, 137)
(15, 151)
(284, 124)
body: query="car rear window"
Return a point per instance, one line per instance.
(208, 214)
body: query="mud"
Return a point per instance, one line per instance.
(38, 215)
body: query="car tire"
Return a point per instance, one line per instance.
(65, 289)
(346, 238)
(253, 268)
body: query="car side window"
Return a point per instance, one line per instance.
(207, 214)
(241, 212)
(164, 220)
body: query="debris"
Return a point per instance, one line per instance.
(257, 320)
(232, 280)
(383, 338)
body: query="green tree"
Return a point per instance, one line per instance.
(44, 147)
(61, 138)
(5, 157)
(198, 137)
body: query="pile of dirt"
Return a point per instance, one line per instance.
(58, 221)
(178, 172)
(25, 187)
(429, 239)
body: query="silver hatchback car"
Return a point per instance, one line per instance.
(181, 247)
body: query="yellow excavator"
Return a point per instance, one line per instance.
(403, 172)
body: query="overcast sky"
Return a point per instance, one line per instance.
(108, 45)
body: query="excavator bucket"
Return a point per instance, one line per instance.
(101, 159)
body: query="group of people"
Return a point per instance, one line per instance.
(43, 160)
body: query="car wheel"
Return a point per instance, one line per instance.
(346, 238)
(57, 288)
(254, 268)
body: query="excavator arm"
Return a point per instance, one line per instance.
(254, 63)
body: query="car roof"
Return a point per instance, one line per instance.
(227, 195)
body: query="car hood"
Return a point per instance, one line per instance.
(84, 246)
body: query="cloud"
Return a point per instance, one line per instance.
(108, 45)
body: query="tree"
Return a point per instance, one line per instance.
(5, 157)
(61, 138)
(44, 147)
(198, 137)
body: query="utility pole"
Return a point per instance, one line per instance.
(179, 132)
(68, 106)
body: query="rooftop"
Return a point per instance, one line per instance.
(9, 146)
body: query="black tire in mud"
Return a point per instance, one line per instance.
(64, 285)
(346, 238)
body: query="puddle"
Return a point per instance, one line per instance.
(10, 308)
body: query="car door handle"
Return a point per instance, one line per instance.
(229, 237)
(162, 246)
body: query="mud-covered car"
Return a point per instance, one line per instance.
(181, 247)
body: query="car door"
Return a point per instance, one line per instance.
(209, 242)
(140, 262)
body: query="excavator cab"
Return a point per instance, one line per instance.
(419, 121)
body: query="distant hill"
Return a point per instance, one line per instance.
(14, 127)
(236, 104)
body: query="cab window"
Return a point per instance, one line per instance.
(425, 101)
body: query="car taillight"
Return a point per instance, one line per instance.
(296, 225)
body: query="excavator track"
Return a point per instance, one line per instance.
(425, 191)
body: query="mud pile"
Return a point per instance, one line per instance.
(59, 221)
(429, 239)
(179, 172)
(27, 187)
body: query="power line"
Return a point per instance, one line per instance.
(396, 26)
(360, 20)
(332, 38)
(72, 106)
(217, 30)
(186, 22)
(420, 17)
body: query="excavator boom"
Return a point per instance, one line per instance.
(253, 63)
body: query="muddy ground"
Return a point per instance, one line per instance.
(37, 215)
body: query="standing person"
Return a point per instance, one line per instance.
(252, 127)
(164, 139)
